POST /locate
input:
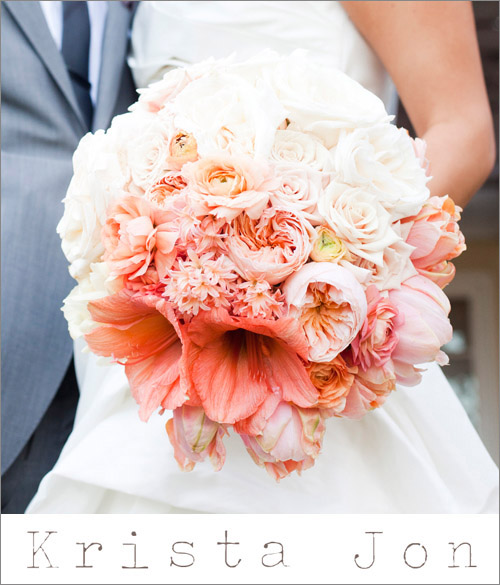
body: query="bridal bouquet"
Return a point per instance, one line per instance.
(255, 242)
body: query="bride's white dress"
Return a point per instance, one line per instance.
(417, 454)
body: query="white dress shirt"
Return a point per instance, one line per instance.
(53, 11)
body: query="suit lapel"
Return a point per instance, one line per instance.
(114, 53)
(31, 20)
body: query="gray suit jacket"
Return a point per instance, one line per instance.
(41, 128)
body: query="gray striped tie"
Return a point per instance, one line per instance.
(75, 52)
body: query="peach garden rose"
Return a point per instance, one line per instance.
(330, 304)
(225, 186)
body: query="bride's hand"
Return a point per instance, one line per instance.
(430, 50)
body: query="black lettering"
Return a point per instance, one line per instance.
(84, 552)
(406, 551)
(40, 548)
(178, 552)
(226, 544)
(356, 557)
(135, 554)
(455, 548)
(280, 552)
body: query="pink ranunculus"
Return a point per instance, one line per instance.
(162, 193)
(136, 234)
(271, 247)
(437, 238)
(194, 436)
(333, 381)
(235, 363)
(425, 329)
(141, 331)
(290, 440)
(182, 149)
(225, 186)
(369, 390)
(329, 303)
(377, 338)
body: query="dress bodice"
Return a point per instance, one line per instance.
(169, 33)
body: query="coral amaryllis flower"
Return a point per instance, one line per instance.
(235, 363)
(141, 331)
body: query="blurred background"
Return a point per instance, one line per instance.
(474, 351)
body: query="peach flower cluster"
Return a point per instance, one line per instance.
(254, 242)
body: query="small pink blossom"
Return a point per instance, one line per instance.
(200, 283)
(256, 298)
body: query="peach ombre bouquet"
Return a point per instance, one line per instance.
(255, 243)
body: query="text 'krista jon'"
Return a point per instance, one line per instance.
(182, 553)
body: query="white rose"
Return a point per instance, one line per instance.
(154, 97)
(301, 149)
(397, 265)
(383, 158)
(144, 139)
(356, 217)
(234, 116)
(98, 179)
(298, 190)
(95, 286)
(323, 100)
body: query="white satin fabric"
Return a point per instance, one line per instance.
(419, 453)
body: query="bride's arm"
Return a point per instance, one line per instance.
(430, 50)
